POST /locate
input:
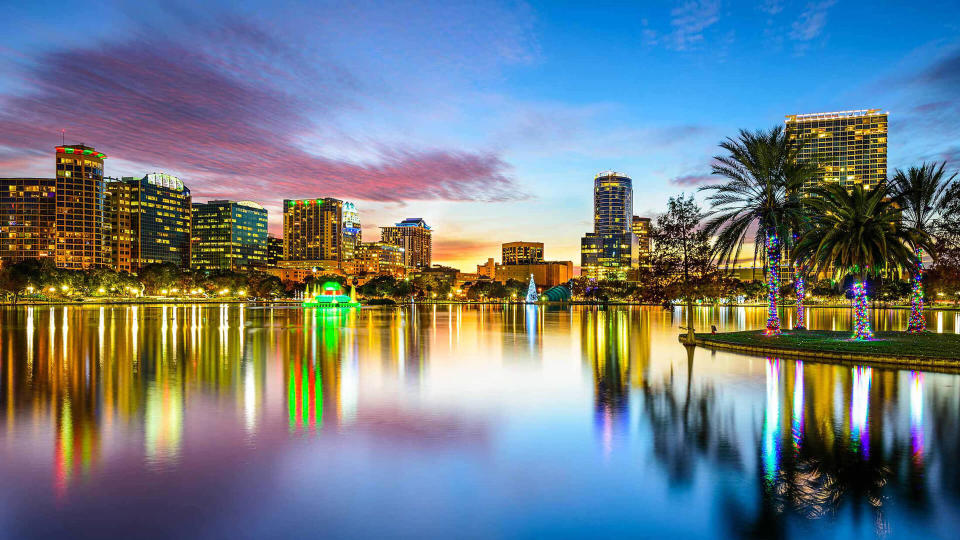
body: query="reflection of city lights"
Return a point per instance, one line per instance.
(860, 407)
(798, 405)
(916, 416)
(771, 424)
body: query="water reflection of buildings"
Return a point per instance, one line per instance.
(605, 337)
(83, 371)
(831, 440)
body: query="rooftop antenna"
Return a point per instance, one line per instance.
(63, 137)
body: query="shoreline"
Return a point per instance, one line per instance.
(373, 302)
(836, 347)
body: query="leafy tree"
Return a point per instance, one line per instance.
(682, 251)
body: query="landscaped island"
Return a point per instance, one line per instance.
(925, 349)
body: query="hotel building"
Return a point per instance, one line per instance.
(229, 235)
(27, 219)
(149, 221)
(850, 146)
(610, 251)
(81, 207)
(313, 231)
(415, 237)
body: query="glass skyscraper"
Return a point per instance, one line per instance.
(610, 251)
(149, 221)
(229, 235)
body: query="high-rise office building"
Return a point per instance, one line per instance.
(641, 230)
(313, 230)
(610, 251)
(149, 221)
(229, 235)
(28, 216)
(351, 231)
(522, 252)
(850, 146)
(415, 237)
(81, 206)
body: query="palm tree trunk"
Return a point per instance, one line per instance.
(773, 284)
(861, 311)
(917, 322)
(800, 287)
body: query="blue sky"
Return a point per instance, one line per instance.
(489, 119)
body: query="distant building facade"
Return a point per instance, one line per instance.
(229, 235)
(81, 208)
(546, 274)
(28, 215)
(521, 252)
(850, 146)
(641, 230)
(350, 231)
(610, 251)
(274, 251)
(415, 237)
(148, 221)
(379, 258)
(487, 270)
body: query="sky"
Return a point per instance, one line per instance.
(488, 119)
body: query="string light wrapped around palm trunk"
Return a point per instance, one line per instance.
(773, 285)
(861, 317)
(800, 286)
(917, 322)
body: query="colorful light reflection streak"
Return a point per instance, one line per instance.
(860, 408)
(916, 417)
(797, 405)
(771, 423)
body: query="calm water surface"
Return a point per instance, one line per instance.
(251, 422)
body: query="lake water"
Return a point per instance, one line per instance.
(460, 422)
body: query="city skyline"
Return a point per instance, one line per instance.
(501, 131)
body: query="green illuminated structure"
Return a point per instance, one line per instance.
(330, 294)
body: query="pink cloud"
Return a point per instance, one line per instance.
(234, 128)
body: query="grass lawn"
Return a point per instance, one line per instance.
(928, 344)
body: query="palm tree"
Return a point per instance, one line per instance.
(858, 231)
(923, 193)
(761, 197)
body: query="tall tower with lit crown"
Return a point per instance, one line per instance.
(80, 208)
(610, 251)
